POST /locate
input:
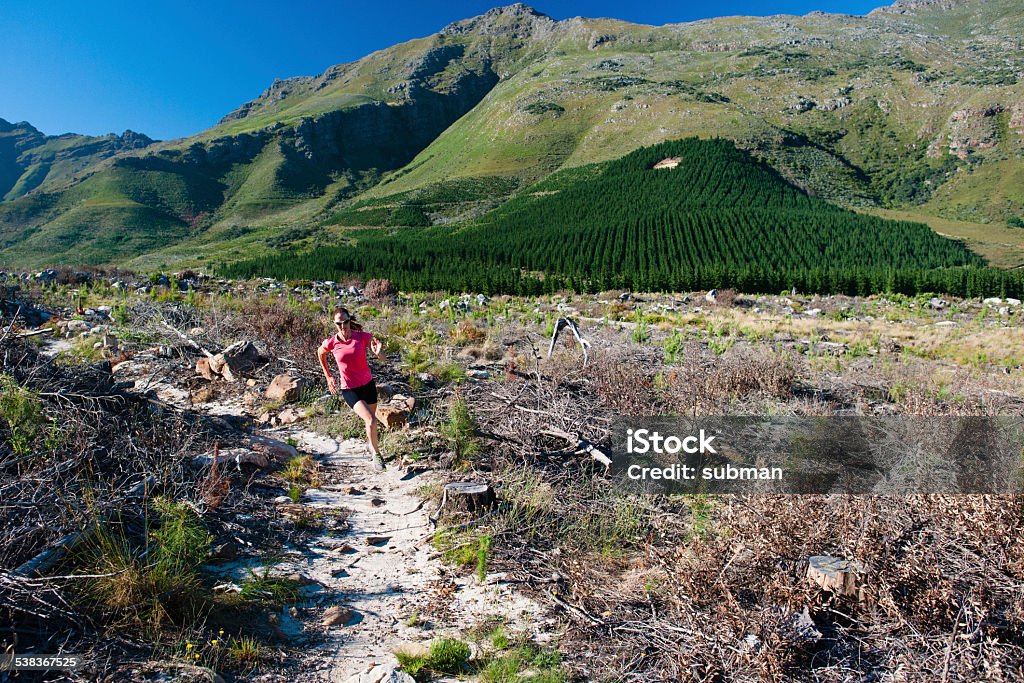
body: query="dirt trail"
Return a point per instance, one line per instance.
(383, 571)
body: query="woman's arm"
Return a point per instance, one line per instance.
(321, 354)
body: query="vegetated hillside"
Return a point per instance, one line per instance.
(916, 106)
(30, 160)
(678, 216)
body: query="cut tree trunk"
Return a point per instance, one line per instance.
(470, 497)
(571, 324)
(836, 575)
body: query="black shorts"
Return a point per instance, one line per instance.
(367, 392)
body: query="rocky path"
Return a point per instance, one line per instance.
(390, 586)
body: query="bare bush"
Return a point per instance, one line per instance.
(380, 290)
(623, 384)
(724, 298)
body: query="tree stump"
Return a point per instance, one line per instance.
(836, 575)
(471, 497)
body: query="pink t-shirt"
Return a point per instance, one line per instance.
(351, 358)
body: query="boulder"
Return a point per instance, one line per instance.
(385, 391)
(239, 456)
(286, 388)
(392, 416)
(224, 552)
(238, 358)
(278, 450)
(395, 413)
(407, 402)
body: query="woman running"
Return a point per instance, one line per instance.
(358, 389)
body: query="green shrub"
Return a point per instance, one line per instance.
(448, 655)
(151, 583)
(460, 429)
(482, 551)
(22, 413)
(445, 656)
(673, 346)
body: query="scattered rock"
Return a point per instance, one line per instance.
(286, 388)
(290, 416)
(337, 616)
(712, 296)
(477, 374)
(204, 395)
(381, 673)
(204, 369)
(224, 552)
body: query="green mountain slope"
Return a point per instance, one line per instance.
(917, 107)
(30, 160)
(680, 215)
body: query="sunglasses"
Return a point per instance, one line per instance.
(342, 323)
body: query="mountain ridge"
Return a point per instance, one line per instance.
(891, 109)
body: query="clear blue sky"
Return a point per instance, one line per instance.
(170, 68)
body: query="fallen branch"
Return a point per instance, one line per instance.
(191, 342)
(582, 446)
(34, 333)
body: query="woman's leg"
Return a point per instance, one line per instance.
(368, 413)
